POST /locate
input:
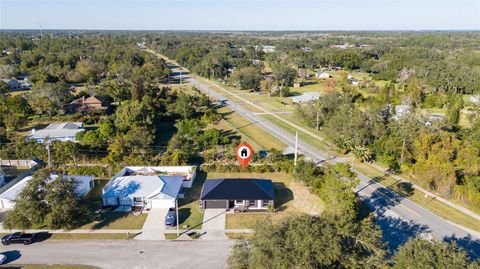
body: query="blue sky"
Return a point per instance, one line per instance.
(241, 15)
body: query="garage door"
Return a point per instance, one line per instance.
(215, 204)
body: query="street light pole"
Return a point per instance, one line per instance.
(49, 154)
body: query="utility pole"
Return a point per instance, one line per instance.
(318, 120)
(49, 154)
(176, 208)
(296, 149)
(401, 155)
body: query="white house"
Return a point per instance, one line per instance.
(475, 99)
(401, 111)
(306, 97)
(148, 187)
(58, 131)
(7, 199)
(322, 74)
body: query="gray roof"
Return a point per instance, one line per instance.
(238, 188)
(306, 97)
(56, 130)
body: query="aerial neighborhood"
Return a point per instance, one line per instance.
(238, 148)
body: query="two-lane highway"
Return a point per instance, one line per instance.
(399, 217)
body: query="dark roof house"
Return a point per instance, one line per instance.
(251, 194)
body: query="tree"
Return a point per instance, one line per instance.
(284, 75)
(66, 210)
(30, 206)
(312, 242)
(419, 253)
(248, 78)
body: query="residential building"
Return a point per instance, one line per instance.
(247, 194)
(66, 131)
(83, 185)
(88, 104)
(323, 75)
(306, 97)
(148, 187)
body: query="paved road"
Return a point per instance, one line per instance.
(399, 217)
(124, 254)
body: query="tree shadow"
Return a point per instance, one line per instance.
(12, 255)
(282, 195)
(396, 231)
(108, 218)
(405, 188)
(184, 214)
(471, 245)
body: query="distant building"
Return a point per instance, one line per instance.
(354, 81)
(306, 97)
(401, 111)
(322, 74)
(297, 84)
(66, 131)
(265, 48)
(87, 104)
(475, 99)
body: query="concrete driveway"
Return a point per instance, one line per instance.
(121, 254)
(214, 224)
(154, 226)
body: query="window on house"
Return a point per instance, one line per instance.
(239, 202)
(251, 203)
(265, 203)
(137, 199)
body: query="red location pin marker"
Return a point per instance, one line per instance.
(244, 153)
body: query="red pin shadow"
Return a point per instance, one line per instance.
(244, 153)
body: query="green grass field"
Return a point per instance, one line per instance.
(249, 131)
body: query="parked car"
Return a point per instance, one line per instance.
(3, 258)
(170, 219)
(18, 238)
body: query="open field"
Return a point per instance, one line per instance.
(292, 197)
(249, 131)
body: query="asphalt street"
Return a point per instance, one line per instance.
(132, 254)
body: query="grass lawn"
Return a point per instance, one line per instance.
(418, 197)
(250, 132)
(237, 236)
(173, 236)
(191, 216)
(118, 221)
(292, 197)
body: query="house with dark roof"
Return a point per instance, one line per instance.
(247, 194)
